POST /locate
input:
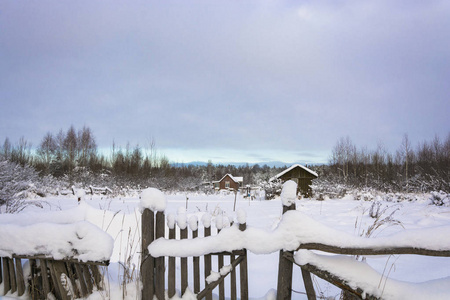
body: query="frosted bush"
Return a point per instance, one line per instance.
(440, 198)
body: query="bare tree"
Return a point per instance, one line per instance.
(70, 148)
(86, 145)
(406, 155)
(6, 149)
(47, 151)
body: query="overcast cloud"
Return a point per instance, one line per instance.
(227, 80)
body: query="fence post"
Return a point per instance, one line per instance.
(159, 261)
(284, 286)
(171, 271)
(243, 272)
(285, 266)
(19, 277)
(207, 232)
(147, 262)
(193, 224)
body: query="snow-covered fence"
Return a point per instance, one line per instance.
(356, 278)
(65, 279)
(294, 238)
(62, 259)
(153, 273)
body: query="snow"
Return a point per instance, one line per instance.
(332, 221)
(153, 199)
(290, 233)
(78, 240)
(206, 219)
(171, 221)
(358, 274)
(241, 216)
(289, 193)
(193, 223)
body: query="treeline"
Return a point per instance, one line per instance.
(73, 156)
(425, 167)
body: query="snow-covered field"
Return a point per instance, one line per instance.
(120, 218)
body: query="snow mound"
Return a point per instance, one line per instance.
(153, 199)
(81, 240)
(289, 193)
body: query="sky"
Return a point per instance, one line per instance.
(227, 81)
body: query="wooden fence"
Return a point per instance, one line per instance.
(65, 279)
(154, 275)
(286, 262)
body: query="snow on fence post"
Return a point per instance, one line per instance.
(206, 220)
(152, 200)
(285, 266)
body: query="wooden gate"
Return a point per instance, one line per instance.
(154, 275)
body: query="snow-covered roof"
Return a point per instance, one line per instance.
(234, 178)
(293, 167)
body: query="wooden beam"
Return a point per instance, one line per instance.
(339, 282)
(19, 277)
(371, 251)
(210, 287)
(66, 259)
(147, 261)
(159, 261)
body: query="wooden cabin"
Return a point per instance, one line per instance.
(301, 175)
(229, 182)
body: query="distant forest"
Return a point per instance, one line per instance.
(71, 157)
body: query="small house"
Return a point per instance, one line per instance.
(229, 182)
(301, 175)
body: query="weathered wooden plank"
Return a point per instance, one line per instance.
(88, 278)
(243, 270)
(233, 289)
(67, 259)
(80, 275)
(171, 272)
(196, 265)
(44, 275)
(147, 261)
(97, 276)
(337, 281)
(6, 279)
(374, 251)
(57, 268)
(243, 274)
(33, 287)
(285, 267)
(159, 261)
(12, 275)
(71, 276)
(309, 287)
(184, 264)
(210, 287)
(19, 277)
(208, 268)
(222, 282)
